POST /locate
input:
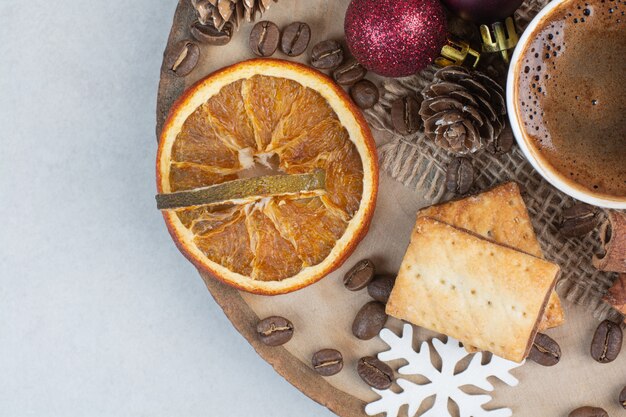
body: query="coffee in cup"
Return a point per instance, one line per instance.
(570, 95)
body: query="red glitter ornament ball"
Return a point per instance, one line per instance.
(395, 38)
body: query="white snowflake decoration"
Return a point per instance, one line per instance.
(443, 384)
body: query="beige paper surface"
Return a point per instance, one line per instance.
(323, 313)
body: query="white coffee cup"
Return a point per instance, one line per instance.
(550, 174)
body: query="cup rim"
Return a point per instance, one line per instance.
(540, 166)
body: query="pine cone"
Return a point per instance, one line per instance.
(527, 11)
(220, 12)
(463, 111)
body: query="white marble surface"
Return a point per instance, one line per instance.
(99, 313)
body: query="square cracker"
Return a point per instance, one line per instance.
(477, 291)
(499, 214)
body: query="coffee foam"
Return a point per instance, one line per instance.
(572, 94)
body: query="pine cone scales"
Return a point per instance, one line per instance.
(463, 111)
(221, 12)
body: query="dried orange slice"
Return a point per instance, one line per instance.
(284, 117)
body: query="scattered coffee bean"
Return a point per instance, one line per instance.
(622, 398)
(607, 342)
(369, 321)
(275, 330)
(359, 275)
(459, 175)
(364, 93)
(182, 58)
(502, 143)
(588, 411)
(210, 34)
(380, 287)
(349, 73)
(375, 373)
(327, 362)
(405, 115)
(578, 220)
(327, 55)
(264, 38)
(295, 38)
(545, 350)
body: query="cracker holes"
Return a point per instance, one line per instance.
(473, 291)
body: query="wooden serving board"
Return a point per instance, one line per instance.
(322, 313)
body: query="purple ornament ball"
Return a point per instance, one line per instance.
(395, 38)
(483, 11)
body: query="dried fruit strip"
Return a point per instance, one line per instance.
(246, 190)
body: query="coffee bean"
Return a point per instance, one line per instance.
(264, 38)
(349, 73)
(275, 330)
(295, 38)
(405, 115)
(375, 373)
(327, 362)
(369, 321)
(327, 55)
(364, 93)
(359, 275)
(607, 342)
(459, 176)
(209, 34)
(503, 143)
(380, 287)
(588, 411)
(545, 351)
(578, 220)
(182, 58)
(622, 398)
